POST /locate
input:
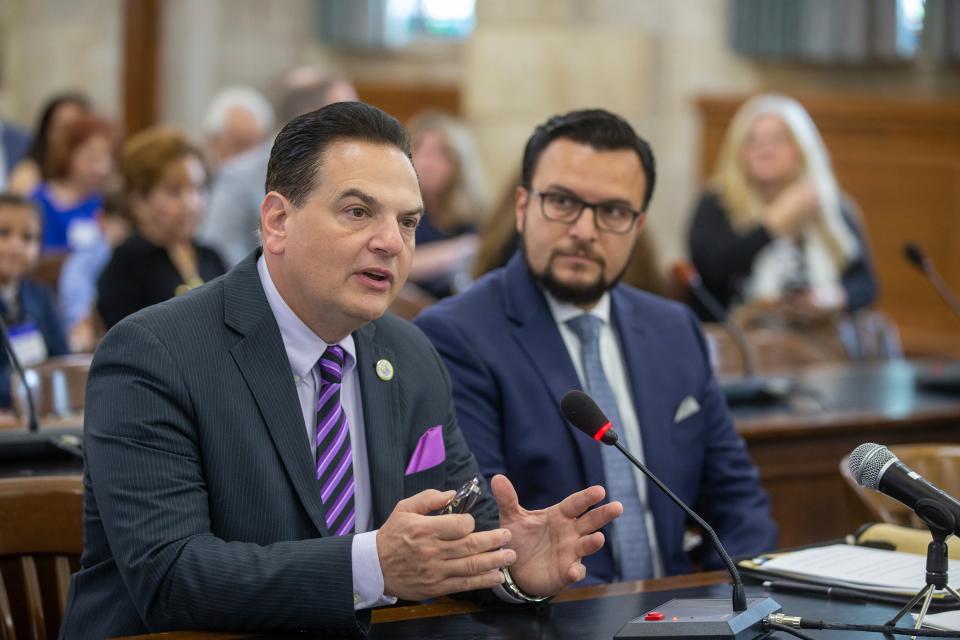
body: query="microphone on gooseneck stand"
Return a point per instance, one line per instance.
(937, 376)
(749, 388)
(702, 618)
(32, 425)
(915, 255)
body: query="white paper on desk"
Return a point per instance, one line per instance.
(856, 567)
(946, 621)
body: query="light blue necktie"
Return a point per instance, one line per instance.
(631, 541)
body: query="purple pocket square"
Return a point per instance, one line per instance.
(429, 452)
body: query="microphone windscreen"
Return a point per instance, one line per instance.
(866, 464)
(685, 273)
(915, 255)
(583, 413)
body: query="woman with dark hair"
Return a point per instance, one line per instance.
(59, 112)
(163, 180)
(78, 166)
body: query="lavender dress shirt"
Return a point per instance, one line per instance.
(304, 349)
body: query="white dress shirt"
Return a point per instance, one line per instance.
(304, 349)
(614, 367)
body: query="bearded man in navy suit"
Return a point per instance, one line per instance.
(555, 318)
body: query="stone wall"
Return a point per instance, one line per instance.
(647, 60)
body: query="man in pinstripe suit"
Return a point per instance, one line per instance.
(263, 452)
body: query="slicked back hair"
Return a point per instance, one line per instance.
(297, 155)
(599, 129)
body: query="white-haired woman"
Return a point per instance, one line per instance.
(774, 227)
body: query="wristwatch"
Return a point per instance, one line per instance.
(512, 590)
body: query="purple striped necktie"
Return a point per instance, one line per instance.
(334, 453)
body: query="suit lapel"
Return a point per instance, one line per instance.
(262, 360)
(538, 337)
(381, 419)
(640, 357)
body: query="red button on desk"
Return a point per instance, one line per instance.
(653, 616)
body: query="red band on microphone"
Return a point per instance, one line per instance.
(602, 430)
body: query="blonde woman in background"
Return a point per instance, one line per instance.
(774, 226)
(455, 201)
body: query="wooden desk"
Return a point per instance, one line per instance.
(591, 612)
(798, 445)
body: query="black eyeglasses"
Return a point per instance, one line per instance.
(567, 209)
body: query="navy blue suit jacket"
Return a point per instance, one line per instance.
(510, 367)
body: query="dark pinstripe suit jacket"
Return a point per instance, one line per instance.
(201, 506)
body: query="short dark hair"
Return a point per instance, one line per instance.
(597, 128)
(298, 151)
(8, 199)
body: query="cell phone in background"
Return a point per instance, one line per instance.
(465, 498)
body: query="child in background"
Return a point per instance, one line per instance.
(27, 308)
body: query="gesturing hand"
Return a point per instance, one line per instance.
(425, 556)
(551, 542)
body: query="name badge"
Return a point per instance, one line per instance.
(28, 344)
(82, 233)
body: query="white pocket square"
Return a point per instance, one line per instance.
(687, 408)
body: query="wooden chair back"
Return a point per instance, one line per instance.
(938, 463)
(773, 350)
(41, 537)
(58, 386)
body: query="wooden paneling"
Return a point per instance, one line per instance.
(141, 66)
(900, 160)
(403, 101)
(797, 445)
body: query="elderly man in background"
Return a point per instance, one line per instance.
(238, 119)
(230, 223)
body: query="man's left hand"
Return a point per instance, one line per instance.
(551, 542)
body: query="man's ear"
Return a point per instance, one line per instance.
(523, 197)
(274, 213)
(641, 222)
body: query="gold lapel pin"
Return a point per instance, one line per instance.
(384, 370)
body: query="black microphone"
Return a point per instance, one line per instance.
(749, 388)
(32, 424)
(875, 467)
(915, 255)
(680, 615)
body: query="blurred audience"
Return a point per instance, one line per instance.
(77, 288)
(27, 307)
(499, 240)
(454, 198)
(78, 164)
(14, 144)
(58, 113)
(233, 217)
(163, 180)
(774, 228)
(238, 119)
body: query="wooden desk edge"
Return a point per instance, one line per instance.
(455, 607)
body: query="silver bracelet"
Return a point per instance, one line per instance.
(510, 586)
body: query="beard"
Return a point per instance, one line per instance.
(585, 294)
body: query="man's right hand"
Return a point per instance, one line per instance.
(423, 556)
